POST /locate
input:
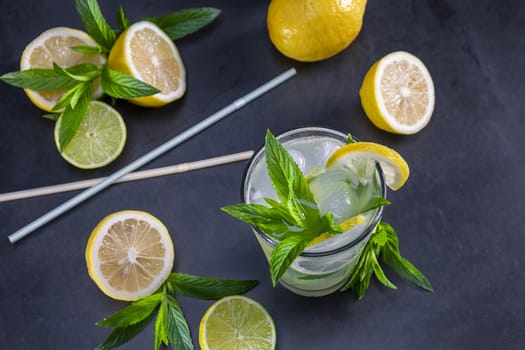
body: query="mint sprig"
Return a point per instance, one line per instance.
(77, 81)
(171, 326)
(295, 220)
(383, 244)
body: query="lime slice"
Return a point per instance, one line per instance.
(99, 140)
(395, 168)
(237, 322)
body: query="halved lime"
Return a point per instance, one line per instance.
(237, 322)
(99, 140)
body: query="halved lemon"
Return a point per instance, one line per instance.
(54, 45)
(237, 322)
(129, 254)
(146, 53)
(395, 168)
(397, 94)
(99, 140)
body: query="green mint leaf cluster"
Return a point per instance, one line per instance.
(77, 81)
(171, 326)
(293, 221)
(383, 244)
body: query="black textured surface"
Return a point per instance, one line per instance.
(459, 218)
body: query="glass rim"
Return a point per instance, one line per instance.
(323, 253)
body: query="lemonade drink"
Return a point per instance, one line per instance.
(324, 267)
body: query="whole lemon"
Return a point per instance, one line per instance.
(313, 30)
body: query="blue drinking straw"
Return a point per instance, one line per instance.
(146, 158)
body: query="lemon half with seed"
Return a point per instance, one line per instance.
(237, 322)
(99, 140)
(397, 94)
(146, 53)
(129, 254)
(54, 45)
(395, 168)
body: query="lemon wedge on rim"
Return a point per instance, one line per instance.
(395, 168)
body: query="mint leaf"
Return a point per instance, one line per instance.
(161, 336)
(401, 266)
(65, 100)
(362, 272)
(284, 254)
(120, 85)
(273, 221)
(285, 174)
(71, 119)
(379, 273)
(122, 335)
(383, 243)
(95, 23)
(123, 22)
(181, 23)
(51, 116)
(82, 72)
(374, 203)
(73, 96)
(134, 313)
(177, 329)
(88, 50)
(206, 287)
(39, 80)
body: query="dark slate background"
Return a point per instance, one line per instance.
(459, 218)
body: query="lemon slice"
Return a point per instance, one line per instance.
(99, 140)
(54, 45)
(395, 168)
(129, 254)
(146, 53)
(237, 322)
(397, 94)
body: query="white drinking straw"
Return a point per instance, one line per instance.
(138, 175)
(168, 145)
